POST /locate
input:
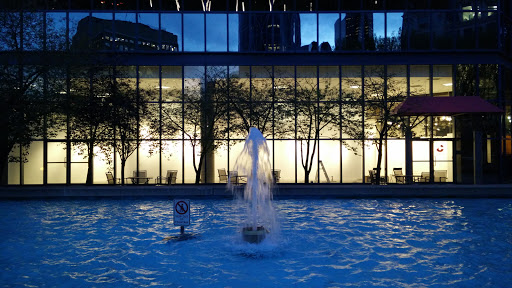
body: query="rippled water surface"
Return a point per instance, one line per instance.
(322, 243)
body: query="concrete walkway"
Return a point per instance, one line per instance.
(280, 191)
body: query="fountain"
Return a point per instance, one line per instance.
(254, 163)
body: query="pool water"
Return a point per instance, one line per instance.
(322, 243)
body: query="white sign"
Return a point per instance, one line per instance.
(181, 212)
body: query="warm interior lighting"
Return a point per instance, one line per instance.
(447, 84)
(163, 87)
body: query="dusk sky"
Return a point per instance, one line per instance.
(193, 33)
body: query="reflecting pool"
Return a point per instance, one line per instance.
(322, 243)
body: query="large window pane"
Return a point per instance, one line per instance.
(308, 31)
(172, 152)
(328, 31)
(443, 126)
(488, 85)
(352, 162)
(171, 29)
(351, 82)
(233, 32)
(416, 30)
(13, 168)
(101, 34)
(442, 80)
(357, 31)
(261, 81)
(466, 79)
(443, 161)
(33, 27)
(329, 77)
(56, 31)
(420, 158)
(329, 152)
(378, 34)
(171, 124)
(396, 149)
(56, 162)
(33, 169)
(397, 82)
(149, 83)
(78, 31)
(488, 30)
(149, 161)
(466, 29)
(193, 31)
(240, 101)
(284, 159)
(216, 32)
(284, 81)
(394, 22)
(420, 80)
(147, 32)
(171, 83)
(443, 30)
(10, 31)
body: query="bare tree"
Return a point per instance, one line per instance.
(125, 120)
(24, 96)
(319, 110)
(90, 112)
(383, 92)
(202, 119)
(260, 105)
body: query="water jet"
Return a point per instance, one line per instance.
(254, 163)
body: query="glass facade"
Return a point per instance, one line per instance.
(109, 86)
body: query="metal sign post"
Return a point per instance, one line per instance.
(181, 213)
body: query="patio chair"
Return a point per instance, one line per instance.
(425, 177)
(373, 176)
(223, 176)
(233, 177)
(170, 178)
(277, 175)
(111, 179)
(399, 176)
(140, 177)
(440, 175)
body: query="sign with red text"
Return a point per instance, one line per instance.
(181, 212)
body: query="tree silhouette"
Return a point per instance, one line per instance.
(25, 98)
(260, 106)
(319, 110)
(90, 112)
(202, 119)
(105, 114)
(383, 92)
(127, 108)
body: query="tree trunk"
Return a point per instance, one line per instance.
(198, 170)
(379, 160)
(123, 164)
(90, 162)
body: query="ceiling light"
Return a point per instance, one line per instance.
(447, 84)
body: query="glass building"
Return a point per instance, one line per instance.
(92, 87)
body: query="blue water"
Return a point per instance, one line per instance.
(323, 243)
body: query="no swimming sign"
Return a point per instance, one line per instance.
(181, 212)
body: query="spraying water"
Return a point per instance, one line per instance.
(254, 162)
